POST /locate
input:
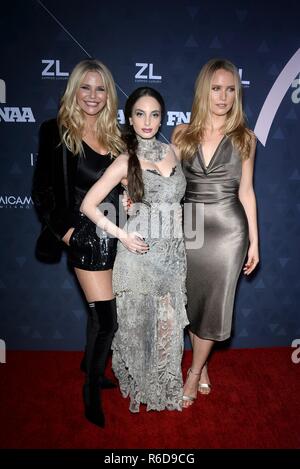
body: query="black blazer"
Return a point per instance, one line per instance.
(49, 194)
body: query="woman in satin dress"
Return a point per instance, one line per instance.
(220, 206)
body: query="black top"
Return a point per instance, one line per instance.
(90, 168)
(51, 188)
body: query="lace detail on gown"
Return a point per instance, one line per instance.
(151, 298)
(151, 149)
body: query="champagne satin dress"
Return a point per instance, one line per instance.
(214, 267)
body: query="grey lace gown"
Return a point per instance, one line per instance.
(213, 269)
(151, 294)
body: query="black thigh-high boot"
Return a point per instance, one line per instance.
(88, 335)
(104, 382)
(103, 324)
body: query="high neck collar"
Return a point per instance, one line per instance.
(150, 149)
(145, 142)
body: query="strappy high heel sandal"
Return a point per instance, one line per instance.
(204, 388)
(186, 398)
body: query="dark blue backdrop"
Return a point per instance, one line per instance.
(41, 41)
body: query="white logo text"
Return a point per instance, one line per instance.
(52, 69)
(146, 73)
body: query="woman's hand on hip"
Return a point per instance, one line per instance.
(134, 242)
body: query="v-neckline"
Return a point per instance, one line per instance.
(158, 173)
(213, 156)
(95, 151)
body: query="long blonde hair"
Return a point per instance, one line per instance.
(235, 125)
(71, 117)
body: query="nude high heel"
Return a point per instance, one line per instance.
(187, 398)
(204, 388)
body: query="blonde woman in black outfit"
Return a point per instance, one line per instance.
(74, 151)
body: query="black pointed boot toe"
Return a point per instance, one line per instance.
(92, 405)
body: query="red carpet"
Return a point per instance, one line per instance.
(254, 403)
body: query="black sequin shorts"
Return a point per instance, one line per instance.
(90, 247)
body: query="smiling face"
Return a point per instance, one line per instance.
(91, 95)
(146, 117)
(222, 92)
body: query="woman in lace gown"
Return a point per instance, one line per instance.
(150, 267)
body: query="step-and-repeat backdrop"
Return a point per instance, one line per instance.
(162, 44)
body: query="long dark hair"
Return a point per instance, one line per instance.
(134, 177)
